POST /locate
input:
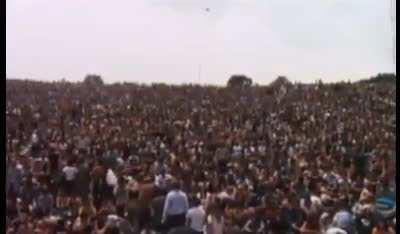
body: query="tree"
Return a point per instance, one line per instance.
(93, 80)
(239, 81)
(382, 78)
(340, 86)
(280, 80)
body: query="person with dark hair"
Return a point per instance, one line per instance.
(255, 224)
(62, 226)
(157, 206)
(123, 224)
(28, 191)
(120, 192)
(111, 230)
(343, 218)
(132, 208)
(196, 217)
(43, 203)
(70, 173)
(310, 224)
(291, 214)
(382, 227)
(110, 185)
(175, 207)
(83, 179)
(215, 222)
(160, 180)
(11, 208)
(146, 193)
(83, 222)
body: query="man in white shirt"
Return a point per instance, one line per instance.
(229, 193)
(195, 217)
(160, 180)
(70, 172)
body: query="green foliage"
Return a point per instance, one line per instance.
(381, 78)
(93, 80)
(279, 81)
(240, 81)
(340, 86)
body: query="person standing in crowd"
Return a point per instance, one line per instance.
(98, 185)
(44, 202)
(160, 180)
(83, 179)
(70, 173)
(146, 193)
(343, 219)
(382, 227)
(196, 217)
(175, 207)
(215, 220)
(255, 224)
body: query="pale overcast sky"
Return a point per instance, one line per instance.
(170, 40)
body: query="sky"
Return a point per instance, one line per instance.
(179, 41)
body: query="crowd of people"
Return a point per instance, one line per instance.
(126, 158)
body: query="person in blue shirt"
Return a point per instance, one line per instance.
(175, 207)
(343, 218)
